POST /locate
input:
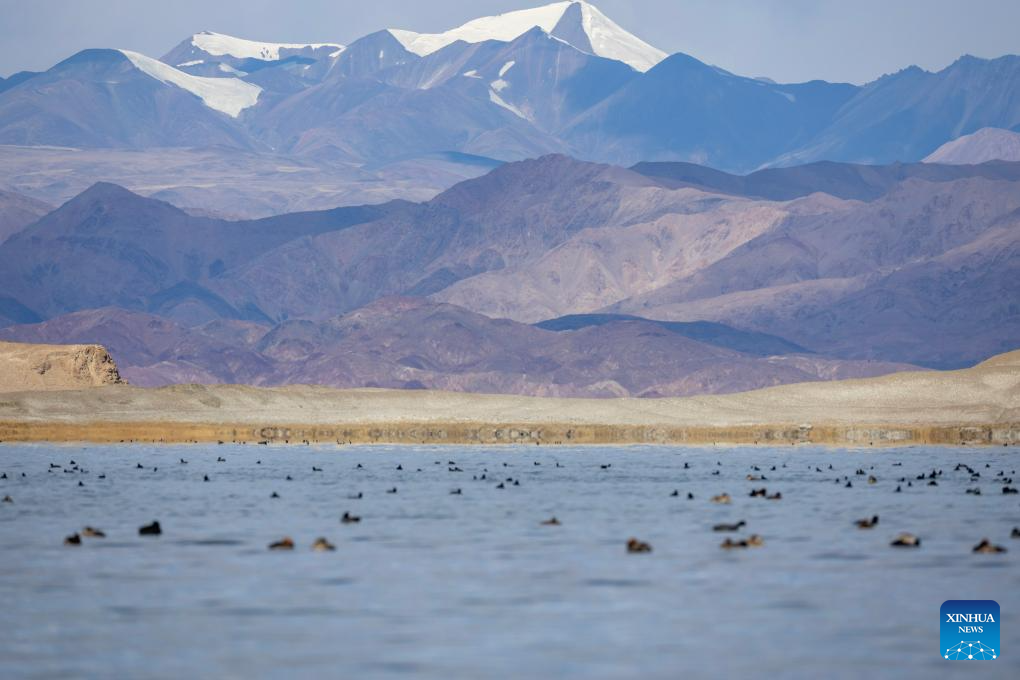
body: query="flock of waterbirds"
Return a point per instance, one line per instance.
(633, 545)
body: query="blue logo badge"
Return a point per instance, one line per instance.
(970, 630)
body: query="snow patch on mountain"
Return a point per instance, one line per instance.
(499, 101)
(228, 95)
(219, 45)
(607, 38)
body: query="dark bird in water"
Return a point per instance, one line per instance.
(81, 483)
(183, 462)
(762, 492)
(551, 522)
(400, 467)
(500, 486)
(150, 530)
(137, 466)
(867, 523)
(899, 489)
(636, 546)
(848, 485)
(73, 539)
(607, 466)
(205, 478)
(1015, 534)
(775, 497)
(274, 495)
(754, 541)
(456, 492)
(315, 469)
(675, 493)
(285, 543)
(322, 545)
(221, 459)
(356, 496)
(348, 518)
(986, 547)
(289, 478)
(91, 532)
(690, 496)
(729, 527)
(1008, 490)
(8, 499)
(393, 490)
(906, 540)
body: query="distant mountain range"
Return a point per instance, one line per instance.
(562, 78)
(549, 276)
(537, 202)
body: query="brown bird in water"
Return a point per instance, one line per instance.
(322, 545)
(723, 498)
(775, 497)
(753, 541)
(872, 479)
(867, 523)
(92, 533)
(636, 546)
(986, 547)
(348, 518)
(906, 540)
(73, 539)
(285, 543)
(551, 522)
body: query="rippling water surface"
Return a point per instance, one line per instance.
(471, 585)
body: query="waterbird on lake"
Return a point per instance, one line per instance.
(138, 466)
(322, 545)
(636, 546)
(393, 490)
(221, 459)
(8, 499)
(759, 492)
(729, 527)
(73, 539)
(92, 532)
(872, 479)
(906, 540)
(1015, 534)
(986, 547)
(348, 518)
(867, 523)
(676, 492)
(150, 529)
(723, 498)
(205, 478)
(356, 496)
(315, 469)
(775, 497)
(1008, 490)
(551, 522)
(285, 543)
(183, 462)
(274, 495)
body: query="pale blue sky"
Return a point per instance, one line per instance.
(788, 40)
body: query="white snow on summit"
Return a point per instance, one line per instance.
(219, 45)
(228, 95)
(987, 144)
(607, 38)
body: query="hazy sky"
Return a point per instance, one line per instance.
(787, 40)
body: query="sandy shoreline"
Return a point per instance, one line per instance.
(979, 405)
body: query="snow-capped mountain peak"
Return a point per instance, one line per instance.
(219, 45)
(578, 23)
(227, 95)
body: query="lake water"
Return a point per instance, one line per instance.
(432, 584)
